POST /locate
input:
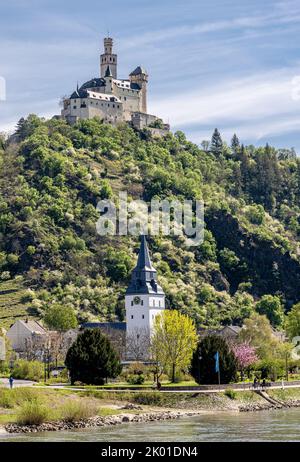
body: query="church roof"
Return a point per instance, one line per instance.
(104, 325)
(144, 261)
(138, 70)
(144, 275)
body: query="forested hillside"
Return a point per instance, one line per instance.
(52, 176)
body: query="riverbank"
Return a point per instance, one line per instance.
(98, 421)
(110, 409)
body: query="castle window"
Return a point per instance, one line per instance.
(143, 316)
(142, 302)
(132, 316)
(132, 303)
(113, 105)
(74, 107)
(118, 106)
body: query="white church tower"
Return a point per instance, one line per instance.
(144, 298)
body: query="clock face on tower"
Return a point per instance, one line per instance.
(136, 300)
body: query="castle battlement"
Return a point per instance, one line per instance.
(111, 99)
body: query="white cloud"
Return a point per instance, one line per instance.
(259, 106)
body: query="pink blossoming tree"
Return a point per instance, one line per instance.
(245, 355)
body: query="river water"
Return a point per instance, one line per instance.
(281, 425)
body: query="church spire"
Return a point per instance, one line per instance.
(144, 275)
(144, 261)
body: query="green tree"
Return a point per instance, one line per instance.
(173, 341)
(293, 321)
(216, 145)
(203, 363)
(92, 359)
(235, 144)
(61, 318)
(271, 306)
(257, 331)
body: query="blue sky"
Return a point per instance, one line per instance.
(229, 64)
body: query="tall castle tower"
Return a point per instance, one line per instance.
(108, 59)
(140, 76)
(144, 298)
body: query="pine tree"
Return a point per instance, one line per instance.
(91, 359)
(203, 362)
(216, 145)
(235, 145)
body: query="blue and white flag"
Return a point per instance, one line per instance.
(217, 362)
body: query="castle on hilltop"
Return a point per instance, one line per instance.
(111, 99)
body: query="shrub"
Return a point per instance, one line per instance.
(32, 413)
(136, 379)
(28, 370)
(230, 393)
(72, 411)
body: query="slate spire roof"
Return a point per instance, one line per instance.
(144, 275)
(138, 71)
(108, 72)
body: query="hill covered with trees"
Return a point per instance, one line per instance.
(52, 175)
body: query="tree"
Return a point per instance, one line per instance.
(203, 362)
(92, 359)
(138, 343)
(173, 341)
(293, 322)
(216, 145)
(258, 332)
(61, 318)
(235, 144)
(270, 305)
(245, 355)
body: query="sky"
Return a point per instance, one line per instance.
(230, 64)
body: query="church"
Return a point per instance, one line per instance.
(112, 99)
(144, 300)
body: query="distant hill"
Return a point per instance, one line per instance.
(52, 176)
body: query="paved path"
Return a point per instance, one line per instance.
(213, 390)
(17, 383)
(28, 383)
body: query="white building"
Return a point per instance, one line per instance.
(144, 298)
(21, 332)
(110, 98)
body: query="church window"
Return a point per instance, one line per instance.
(142, 302)
(131, 303)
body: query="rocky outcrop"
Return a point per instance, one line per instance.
(266, 265)
(98, 421)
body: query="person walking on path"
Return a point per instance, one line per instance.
(11, 381)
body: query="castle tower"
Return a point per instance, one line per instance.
(144, 298)
(140, 76)
(108, 58)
